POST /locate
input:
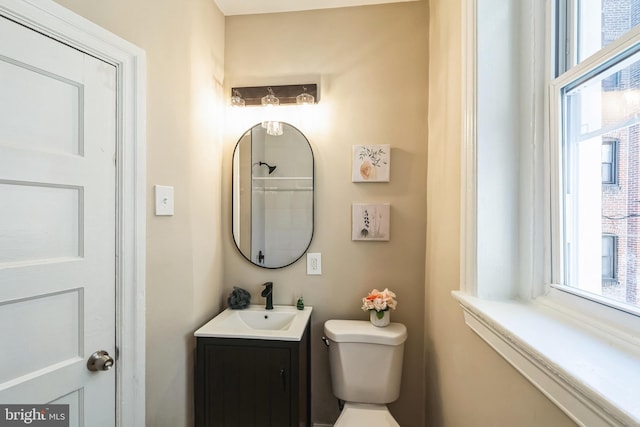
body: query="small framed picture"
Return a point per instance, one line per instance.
(370, 221)
(371, 163)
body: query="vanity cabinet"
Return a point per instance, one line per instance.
(252, 382)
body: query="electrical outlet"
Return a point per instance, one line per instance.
(314, 264)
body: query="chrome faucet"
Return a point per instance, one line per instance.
(268, 293)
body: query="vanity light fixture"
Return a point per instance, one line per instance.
(273, 96)
(286, 94)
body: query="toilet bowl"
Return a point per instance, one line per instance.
(366, 368)
(363, 414)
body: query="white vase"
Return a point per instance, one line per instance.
(382, 322)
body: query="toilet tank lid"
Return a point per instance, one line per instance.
(363, 331)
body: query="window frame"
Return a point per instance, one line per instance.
(618, 51)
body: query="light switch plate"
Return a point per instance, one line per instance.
(314, 264)
(164, 200)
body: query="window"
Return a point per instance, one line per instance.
(612, 82)
(609, 255)
(609, 164)
(599, 130)
(535, 213)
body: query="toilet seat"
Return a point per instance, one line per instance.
(362, 414)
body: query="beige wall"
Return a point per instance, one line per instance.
(371, 63)
(184, 42)
(468, 383)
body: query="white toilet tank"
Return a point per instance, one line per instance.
(366, 361)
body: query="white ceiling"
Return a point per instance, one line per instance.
(249, 7)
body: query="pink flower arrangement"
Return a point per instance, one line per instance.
(379, 301)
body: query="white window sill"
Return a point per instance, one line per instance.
(592, 376)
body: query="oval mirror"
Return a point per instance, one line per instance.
(272, 191)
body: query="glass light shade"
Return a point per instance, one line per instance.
(236, 101)
(270, 100)
(305, 99)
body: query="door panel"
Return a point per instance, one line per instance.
(40, 222)
(48, 321)
(57, 225)
(53, 123)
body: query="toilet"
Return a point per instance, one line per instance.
(366, 368)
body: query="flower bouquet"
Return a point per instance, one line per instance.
(378, 304)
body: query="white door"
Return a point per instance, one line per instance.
(57, 225)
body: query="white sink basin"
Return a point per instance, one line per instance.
(273, 320)
(285, 323)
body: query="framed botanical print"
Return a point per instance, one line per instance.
(371, 163)
(370, 221)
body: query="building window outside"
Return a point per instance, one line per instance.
(612, 82)
(609, 161)
(600, 137)
(609, 260)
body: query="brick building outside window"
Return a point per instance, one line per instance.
(621, 164)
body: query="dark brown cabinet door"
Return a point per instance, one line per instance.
(247, 387)
(252, 383)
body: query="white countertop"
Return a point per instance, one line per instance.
(283, 323)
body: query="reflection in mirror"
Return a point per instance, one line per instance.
(272, 219)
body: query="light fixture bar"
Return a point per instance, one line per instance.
(285, 93)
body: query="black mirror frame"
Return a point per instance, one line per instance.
(313, 200)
